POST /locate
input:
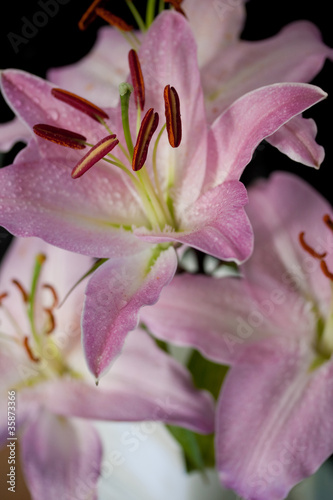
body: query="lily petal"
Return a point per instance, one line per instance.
(168, 56)
(12, 132)
(114, 296)
(216, 224)
(250, 119)
(216, 25)
(61, 458)
(86, 217)
(296, 54)
(287, 432)
(144, 383)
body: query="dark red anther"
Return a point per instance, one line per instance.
(54, 295)
(60, 136)
(96, 153)
(90, 14)
(3, 296)
(79, 103)
(148, 126)
(51, 321)
(22, 290)
(137, 79)
(328, 221)
(172, 116)
(309, 249)
(112, 19)
(176, 5)
(325, 270)
(29, 351)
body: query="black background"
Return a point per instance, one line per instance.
(60, 42)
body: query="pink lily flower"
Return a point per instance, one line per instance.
(188, 195)
(45, 378)
(229, 67)
(274, 327)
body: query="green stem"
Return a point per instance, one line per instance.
(150, 12)
(136, 15)
(125, 90)
(161, 6)
(165, 208)
(40, 259)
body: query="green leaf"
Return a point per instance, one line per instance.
(206, 374)
(190, 445)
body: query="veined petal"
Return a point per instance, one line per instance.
(12, 132)
(215, 25)
(287, 432)
(97, 75)
(168, 56)
(61, 458)
(30, 97)
(144, 383)
(296, 54)
(114, 296)
(216, 224)
(296, 139)
(256, 115)
(87, 217)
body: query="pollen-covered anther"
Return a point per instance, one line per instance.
(22, 290)
(80, 104)
(328, 221)
(3, 296)
(96, 153)
(60, 136)
(29, 351)
(325, 270)
(90, 14)
(309, 249)
(172, 116)
(148, 126)
(112, 19)
(137, 78)
(51, 324)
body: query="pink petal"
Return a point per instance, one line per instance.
(61, 458)
(274, 423)
(168, 56)
(12, 132)
(216, 25)
(83, 215)
(237, 132)
(30, 97)
(279, 209)
(143, 384)
(96, 76)
(114, 296)
(296, 54)
(296, 139)
(216, 224)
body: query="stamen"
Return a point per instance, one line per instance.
(148, 126)
(60, 136)
(29, 351)
(176, 5)
(172, 115)
(54, 295)
(51, 321)
(90, 15)
(80, 104)
(309, 249)
(96, 153)
(24, 293)
(325, 270)
(3, 296)
(137, 79)
(328, 221)
(114, 20)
